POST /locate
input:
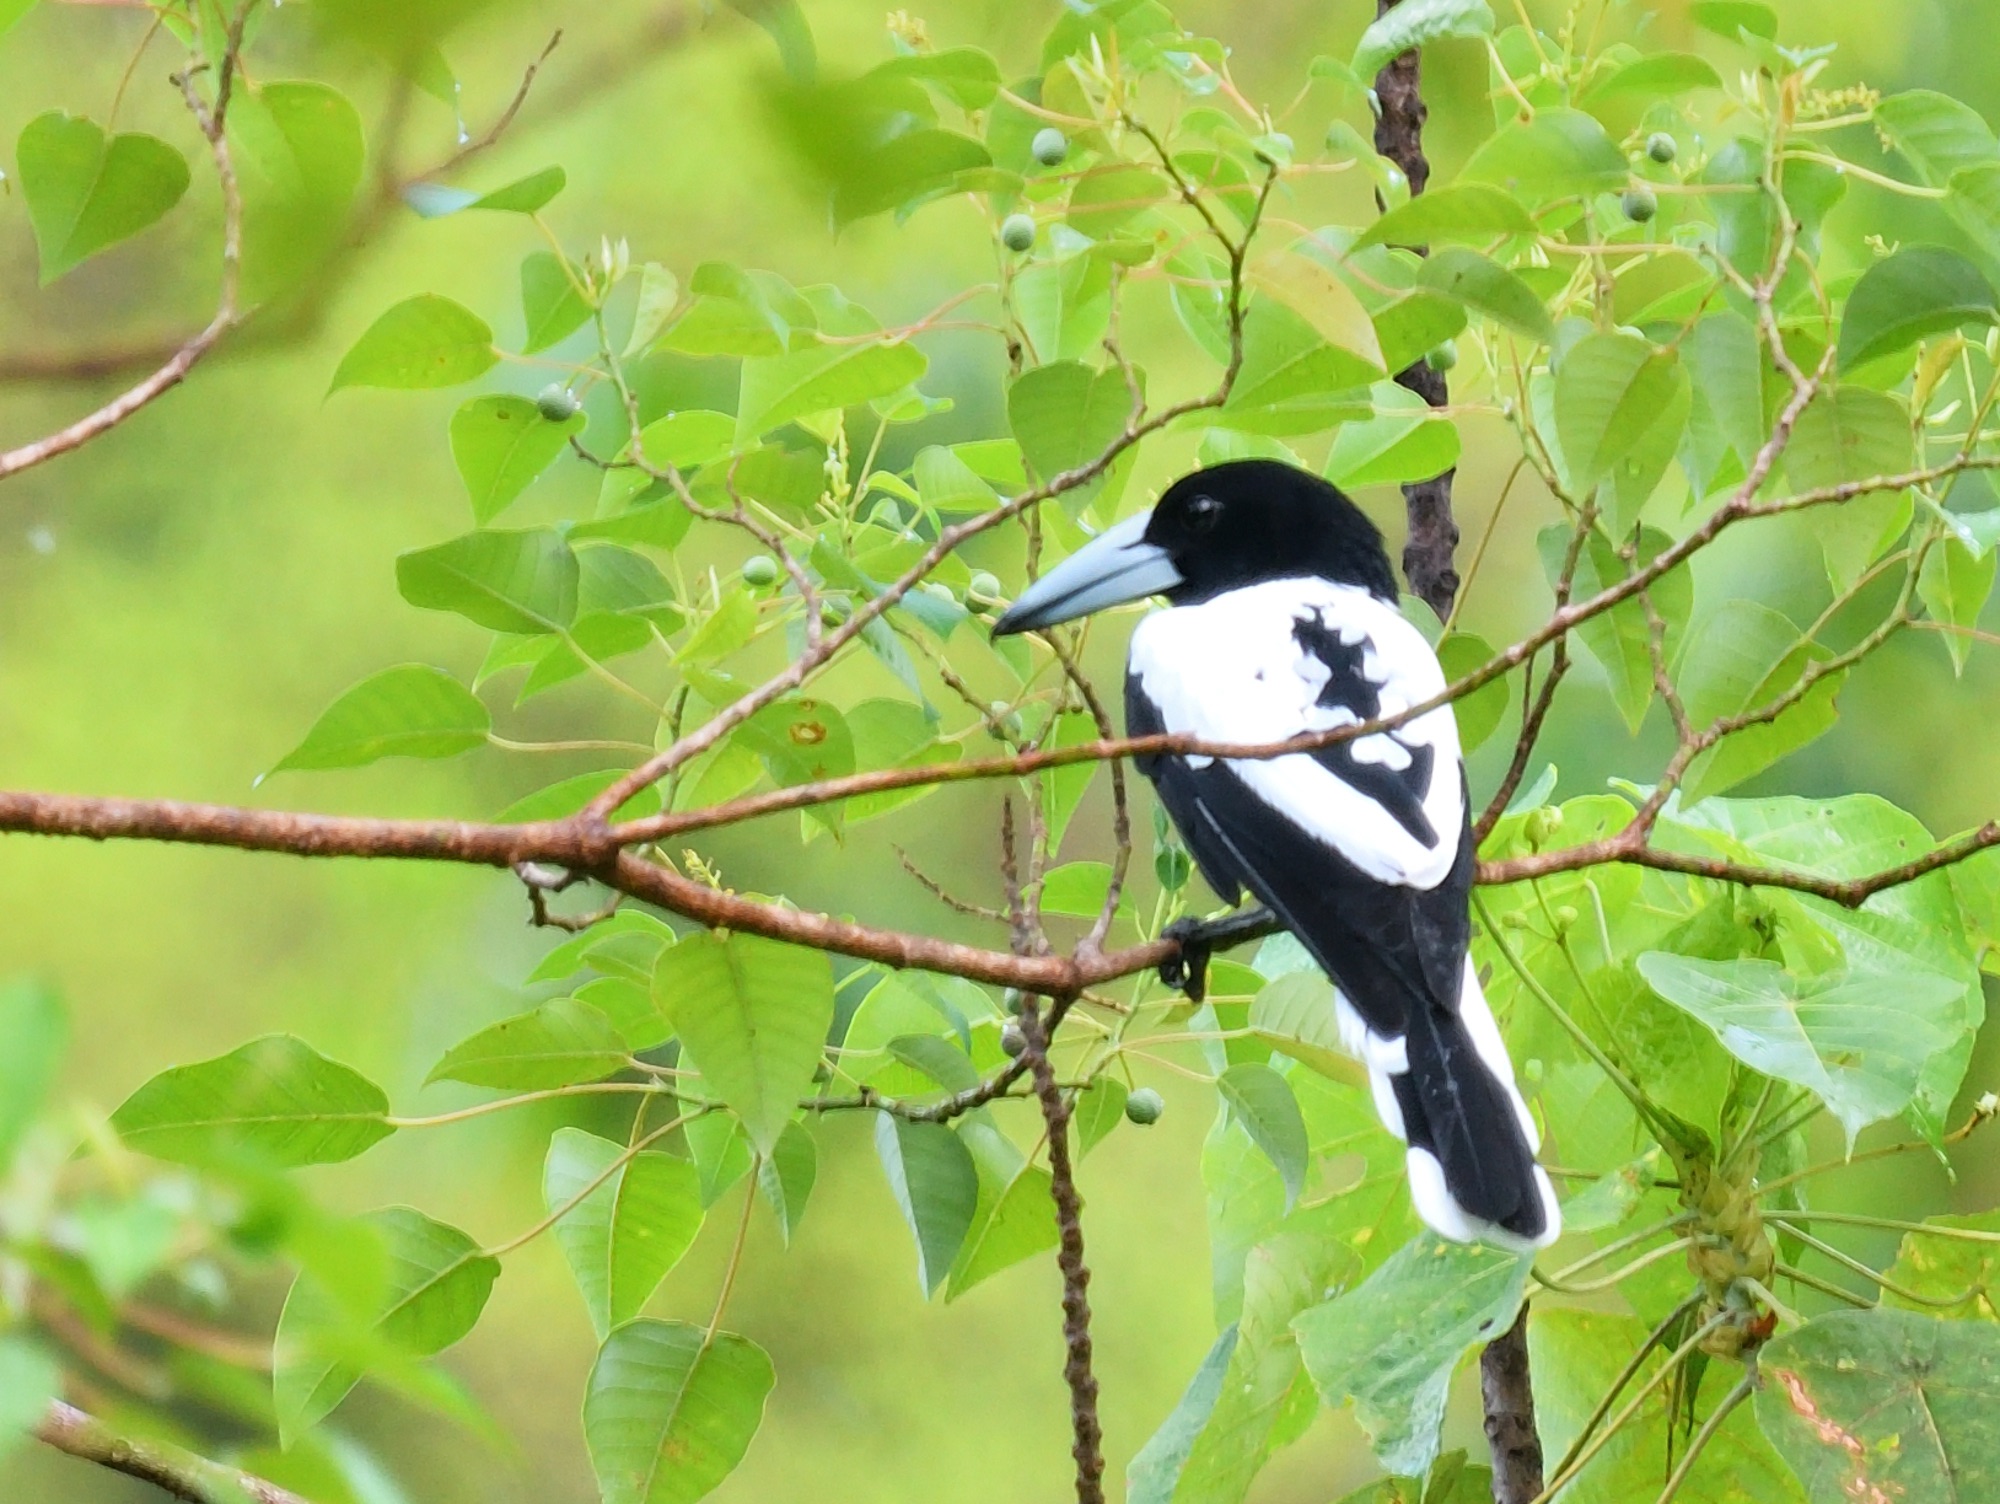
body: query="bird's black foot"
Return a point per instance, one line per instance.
(1187, 971)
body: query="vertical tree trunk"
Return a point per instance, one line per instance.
(1506, 1385)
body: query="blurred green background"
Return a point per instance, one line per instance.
(178, 601)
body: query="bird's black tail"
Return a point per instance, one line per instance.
(1472, 1143)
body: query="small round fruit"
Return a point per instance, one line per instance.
(1662, 148)
(1144, 1106)
(1050, 146)
(1442, 358)
(983, 589)
(1640, 205)
(1013, 1000)
(1017, 232)
(832, 613)
(1012, 1040)
(556, 402)
(760, 570)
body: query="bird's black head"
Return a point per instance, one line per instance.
(1252, 520)
(1215, 530)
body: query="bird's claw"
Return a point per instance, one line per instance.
(1187, 969)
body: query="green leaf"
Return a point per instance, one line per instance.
(508, 581)
(1107, 198)
(87, 192)
(1470, 279)
(524, 195)
(34, 1029)
(568, 795)
(1156, 1468)
(1264, 1397)
(1610, 388)
(659, 297)
(786, 1177)
(551, 307)
(1391, 1343)
(1726, 364)
(1416, 23)
(819, 378)
(1857, 1040)
(1561, 153)
(1846, 435)
(1064, 307)
(966, 76)
(304, 137)
(1063, 788)
(275, 1099)
(438, 1284)
(1964, 1272)
(1404, 443)
(754, 1013)
(1658, 75)
(935, 1183)
(1328, 307)
(558, 1044)
(1266, 1108)
(1919, 291)
(1480, 713)
(1955, 584)
(1291, 380)
(669, 1412)
(1294, 1014)
(1621, 639)
(629, 1228)
(1096, 1110)
(500, 444)
(1869, 1405)
(1936, 134)
(412, 710)
(1741, 658)
(1470, 212)
(1728, 17)
(29, 1375)
(1008, 1227)
(425, 341)
(1066, 415)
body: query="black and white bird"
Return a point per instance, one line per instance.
(1283, 621)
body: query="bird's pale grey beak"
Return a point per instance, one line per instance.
(1116, 566)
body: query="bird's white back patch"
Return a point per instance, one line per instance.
(1237, 668)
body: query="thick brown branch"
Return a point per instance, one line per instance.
(180, 1473)
(1507, 1392)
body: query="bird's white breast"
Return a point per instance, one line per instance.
(1232, 669)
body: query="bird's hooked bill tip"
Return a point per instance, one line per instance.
(1115, 567)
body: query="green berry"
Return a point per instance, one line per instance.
(832, 613)
(760, 570)
(1017, 232)
(1144, 1106)
(984, 589)
(1050, 146)
(556, 402)
(1662, 148)
(1442, 357)
(1013, 1000)
(1542, 824)
(1640, 205)
(1012, 1040)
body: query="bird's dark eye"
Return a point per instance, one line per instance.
(1203, 512)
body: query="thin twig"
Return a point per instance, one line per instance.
(181, 1473)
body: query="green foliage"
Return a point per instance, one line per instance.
(670, 1410)
(425, 341)
(412, 710)
(624, 1221)
(87, 191)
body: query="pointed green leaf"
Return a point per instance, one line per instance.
(412, 710)
(1066, 415)
(1013, 1223)
(669, 1412)
(86, 192)
(1561, 153)
(1920, 291)
(1955, 585)
(275, 1099)
(500, 444)
(524, 195)
(1265, 1106)
(1291, 380)
(1938, 135)
(523, 581)
(1402, 442)
(935, 1184)
(819, 378)
(1391, 1343)
(1416, 23)
(1610, 389)
(558, 1044)
(1156, 1468)
(438, 1284)
(1742, 657)
(1857, 1040)
(1470, 279)
(551, 307)
(754, 1013)
(1473, 212)
(1096, 1111)
(1727, 18)
(1621, 639)
(786, 1177)
(1847, 435)
(1869, 1405)
(630, 1227)
(425, 341)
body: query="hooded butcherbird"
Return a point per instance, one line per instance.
(1283, 621)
